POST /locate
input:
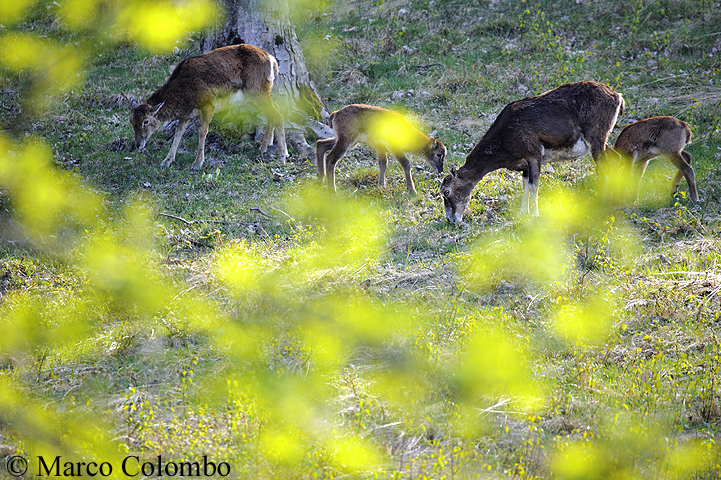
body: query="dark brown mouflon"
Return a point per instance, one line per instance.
(562, 124)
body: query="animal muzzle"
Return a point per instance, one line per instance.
(453, 217)
(139, 143)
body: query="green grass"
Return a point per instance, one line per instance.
(243, 316)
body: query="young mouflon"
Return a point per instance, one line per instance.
(198, 85)
(640, 142)
(562, 124)
(384, 131)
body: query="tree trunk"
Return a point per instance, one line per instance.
(266, 24)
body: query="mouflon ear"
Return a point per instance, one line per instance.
(454, 172)
(133, 104)
(154, 111)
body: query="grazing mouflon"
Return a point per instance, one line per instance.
(384, 131)
(642, 141)
(198, 85)
(562, 124)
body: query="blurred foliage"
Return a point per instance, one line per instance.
(54, 66)
(292, 337)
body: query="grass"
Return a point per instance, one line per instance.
(238, 313)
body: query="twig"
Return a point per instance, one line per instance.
(281, 211)
(423, 67)
(185, 291)
(191, 222)
(387, 425)
(257, 209)
(196, 243)
(493, 408)
(176, 218)
(681, 273)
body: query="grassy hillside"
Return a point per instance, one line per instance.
(242, 313)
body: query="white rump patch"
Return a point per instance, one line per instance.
(615, 117)
(237, 98)
(229, 101)
(578, 150)
(273, 62)
(581, 148)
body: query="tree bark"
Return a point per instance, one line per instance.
(266, 24)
